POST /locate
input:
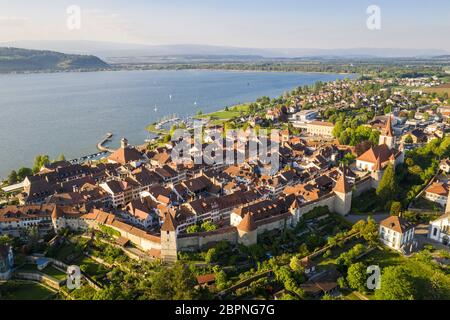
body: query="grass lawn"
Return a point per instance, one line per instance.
(24, 290)
(92, 268)
(49, 270)
(232, 112)
(440, 89)
(65, 251)
(384, 258)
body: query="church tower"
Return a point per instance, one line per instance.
(387, 137)
(169, 249)
(343, 199)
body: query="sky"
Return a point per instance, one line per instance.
(322, 24)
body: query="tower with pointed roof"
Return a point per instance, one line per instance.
(387, 137)
(169, 248)
(247, 231)
(377, 173)
(343, 196)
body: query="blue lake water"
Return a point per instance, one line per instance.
(70, 112)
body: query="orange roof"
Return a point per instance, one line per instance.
(342, 185)
(397, 224)
(438, 188)
(206, 278)
(247, 224)
(169, 223)
(389, 127)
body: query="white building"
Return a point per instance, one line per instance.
(440, 229)
(397, 233)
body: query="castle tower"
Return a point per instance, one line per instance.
(247, 232)
(377, 173)
(343, 199)
(58, 218)
(169, 249)
(294, 209)
(387, 137)
(124, 143)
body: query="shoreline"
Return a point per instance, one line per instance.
(162, 69)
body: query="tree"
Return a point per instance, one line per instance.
(296, 265)
(409, 139)
(23, 172)
(12, 177)
(396, 207)
(370, 231)
(39, 162)
(211, 255)
(357, 276)
(208, 226)
(396, 284)
(61, 157)
(387, 188)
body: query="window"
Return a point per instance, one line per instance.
(434, 231)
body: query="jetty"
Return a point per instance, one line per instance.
(105, 139)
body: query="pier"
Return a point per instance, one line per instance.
(106, 138)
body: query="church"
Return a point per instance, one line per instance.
(378, 157)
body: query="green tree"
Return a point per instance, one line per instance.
(61, 157)
(396, 207)
(23, 172)
(12, 177)
(387, 188)
(409, 139)
(357, 276)
(39, 162)
(396, 284)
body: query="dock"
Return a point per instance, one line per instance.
(105, 139)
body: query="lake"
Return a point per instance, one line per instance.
(69, 113)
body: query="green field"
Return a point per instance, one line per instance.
(24, 290)
(224, 115)
(49, 270)
(91, 268)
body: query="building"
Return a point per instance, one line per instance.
(385, 152)
(440, 229)
(320, 128)
(445, 165)
(437, 192)
(397, 233)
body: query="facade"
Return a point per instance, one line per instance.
(320, 128)
(440, 229)
(437, 192)
(397, 233)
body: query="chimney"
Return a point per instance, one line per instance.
(124, 143)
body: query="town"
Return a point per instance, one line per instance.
(362, 180)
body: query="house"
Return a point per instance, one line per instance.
(384, 152)
(437, 192)
(126, 154)
(320, 128)
(397, 233)
(440, 229)
(445, 165)
(139, 212)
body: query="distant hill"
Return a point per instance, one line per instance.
(136, 52)
(24, 60)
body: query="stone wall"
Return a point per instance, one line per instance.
(195, 241)
(362, 186)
